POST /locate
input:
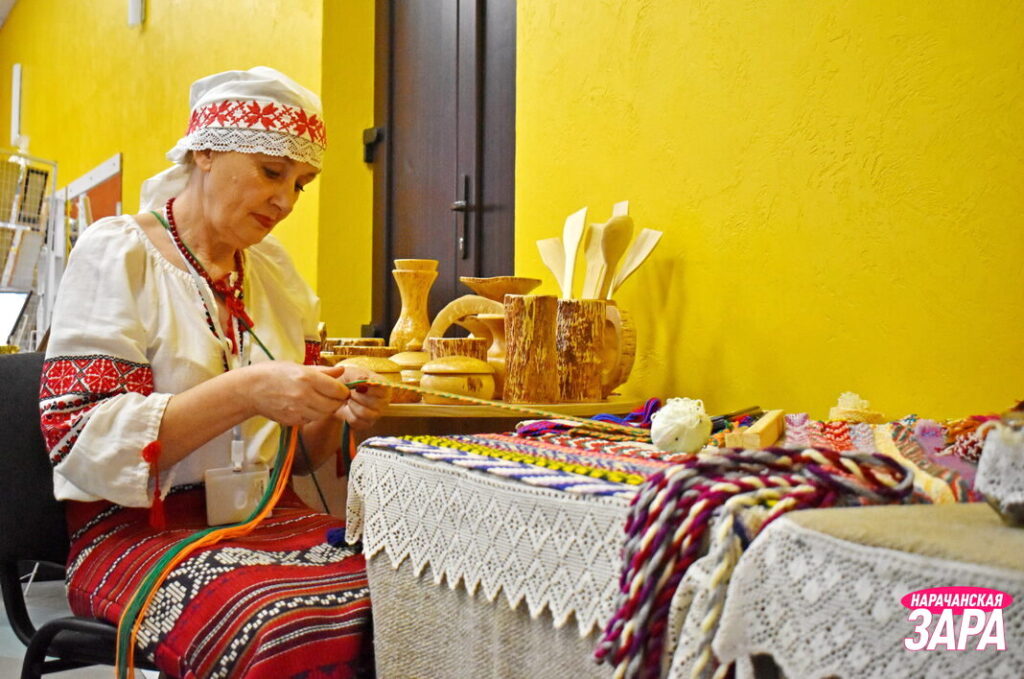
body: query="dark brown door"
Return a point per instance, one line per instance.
(445, 144)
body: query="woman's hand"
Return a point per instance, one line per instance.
(293, 394)
(365, 402)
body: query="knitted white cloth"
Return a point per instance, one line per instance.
(554, 550)
(824, 607)
(1001, 471)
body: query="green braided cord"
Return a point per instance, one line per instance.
(168, 228)
(346, 444)
(155, 575)
(636, 432)
(252, 334)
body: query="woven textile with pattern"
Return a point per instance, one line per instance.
(687, 509)
(257, 606)
(571, 463)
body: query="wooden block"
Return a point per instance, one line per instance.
(531, 362)
(579, 342)
(356, 341)
(734, 438)
(766, 431)
(340, 353)
(474, 347)
(851, 415)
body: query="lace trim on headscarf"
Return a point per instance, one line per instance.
(270, 142)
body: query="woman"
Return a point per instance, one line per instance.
(159, 368)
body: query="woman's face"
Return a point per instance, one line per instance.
(245, 195)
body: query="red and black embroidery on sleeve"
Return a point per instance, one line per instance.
(312, 352)
(73, 385)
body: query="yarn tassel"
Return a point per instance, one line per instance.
(151, 454)
(346, 451)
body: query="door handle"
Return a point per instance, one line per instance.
(462, 225)
(371, 137)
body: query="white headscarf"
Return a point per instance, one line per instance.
(256, 111)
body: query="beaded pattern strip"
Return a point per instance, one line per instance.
(590, 451)
(468, 456)
(676, 508)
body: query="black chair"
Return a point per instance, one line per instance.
(33, 530)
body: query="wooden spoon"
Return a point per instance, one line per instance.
(641, 250)
(595, 262)
(571, 236)
(552, 253)
(615, 238)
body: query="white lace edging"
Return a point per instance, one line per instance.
(823, 606)
(1001, 470)
(550, 549)
(247, 140)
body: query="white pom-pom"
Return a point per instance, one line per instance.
(681, 426)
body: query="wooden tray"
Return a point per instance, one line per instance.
(614, 405)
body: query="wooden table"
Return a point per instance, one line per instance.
(425, 418)
(616, 405)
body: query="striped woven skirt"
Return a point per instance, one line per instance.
(280, 602)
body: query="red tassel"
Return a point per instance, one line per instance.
(151, 454)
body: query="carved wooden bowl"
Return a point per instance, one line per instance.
(496, 287)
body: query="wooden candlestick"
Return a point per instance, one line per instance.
(413, 322)
(531, 359)
(580, 341)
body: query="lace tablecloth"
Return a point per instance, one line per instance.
(552, 549)
(825, 606)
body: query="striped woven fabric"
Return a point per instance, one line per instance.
(630, 457)
(278, 603)
(904, 438)
(529, 462)
(803, 432)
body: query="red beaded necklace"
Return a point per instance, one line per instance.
(228, 289)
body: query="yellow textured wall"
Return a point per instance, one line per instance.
(93, 86)
(346, 193)
(840, 186)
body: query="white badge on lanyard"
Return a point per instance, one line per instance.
(232, 493)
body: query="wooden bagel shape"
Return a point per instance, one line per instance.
(459, 311)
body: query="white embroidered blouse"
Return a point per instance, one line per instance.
(130, 330)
